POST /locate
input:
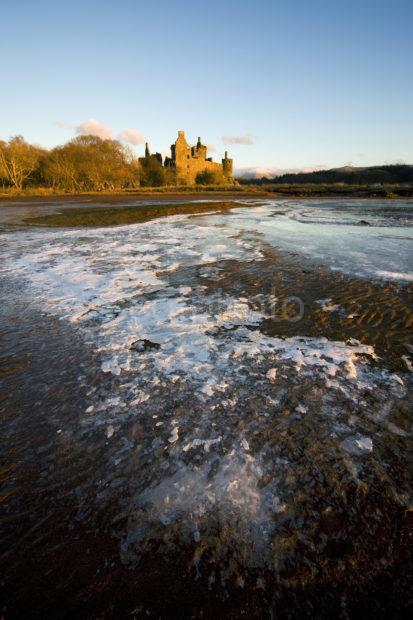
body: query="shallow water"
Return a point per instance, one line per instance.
(169, 421)
(365, 238)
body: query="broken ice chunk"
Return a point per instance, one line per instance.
(357, 445)
(271, 374)
(174, 435)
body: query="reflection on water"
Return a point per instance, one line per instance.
(239, 463)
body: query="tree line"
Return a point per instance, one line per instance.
(86, 163)
(389, 174)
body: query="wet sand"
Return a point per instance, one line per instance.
(62, 202)
(348, 541)
(334, 305)
(23, 211)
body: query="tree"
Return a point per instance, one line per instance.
(90, 163)
(152, 172)
(3, 171)
(206, 177)
(18, 161)
(59, 169)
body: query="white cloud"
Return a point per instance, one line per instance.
(211, 148)
(94, 128)
(270, 172)
(131, 136)
(247, 139)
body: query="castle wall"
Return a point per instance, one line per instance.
(189, 161)
(187, 170)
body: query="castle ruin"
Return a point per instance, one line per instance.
(189, 161)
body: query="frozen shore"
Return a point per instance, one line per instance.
(265, 457)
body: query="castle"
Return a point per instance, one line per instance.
(189, 161)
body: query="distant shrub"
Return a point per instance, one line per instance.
(206, 177)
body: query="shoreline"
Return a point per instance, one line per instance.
(125, 214)
(110, 210)
(273, 191)
(118, 196)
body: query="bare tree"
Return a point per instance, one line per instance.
(18, 160)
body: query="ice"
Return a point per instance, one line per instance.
(301, 409)
(329, 232)
(233, 489)
(407, 362)
(327, 306)
(111, 366)
(107, 295)
(174, 435)
(140, 397)
(395, 275)
(205, 443)
(219, 407)
(271, 374)
(357, 445)
(185, 290)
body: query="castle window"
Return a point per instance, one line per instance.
(188, 156)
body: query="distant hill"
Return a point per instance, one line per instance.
(388, 174)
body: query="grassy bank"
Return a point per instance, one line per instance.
(30, 192)
(112, 215)
(299, 190)
(329, 190)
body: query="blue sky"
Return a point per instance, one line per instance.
(303, 83)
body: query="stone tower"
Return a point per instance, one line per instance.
(227, 166)
(148, 157)
(181, 156)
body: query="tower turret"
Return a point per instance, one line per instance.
(147, 151)
(227, 166)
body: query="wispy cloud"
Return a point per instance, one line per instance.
(211, 148)
(247, 139)
(64, 125)
(131, 136)
(93, 127)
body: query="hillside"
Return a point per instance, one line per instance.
(387, 174)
